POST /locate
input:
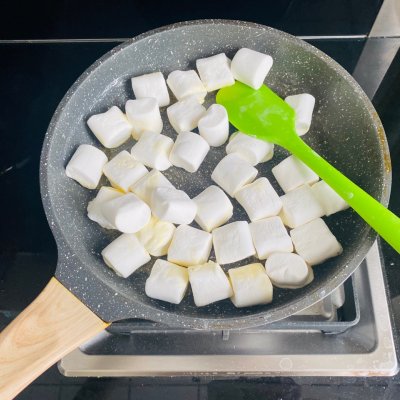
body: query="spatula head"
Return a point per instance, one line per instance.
(260, 113)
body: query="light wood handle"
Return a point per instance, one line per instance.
(49, 328)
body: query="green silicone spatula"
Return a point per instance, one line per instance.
(263, 114)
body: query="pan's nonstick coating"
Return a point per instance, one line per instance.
(345, 130)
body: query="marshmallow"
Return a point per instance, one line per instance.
(251, 67)
(185, 114)
(215, 72)
(145, 186)
(214, 125)
(189, 151)
(303, 105)
(270, 236)
(315, 242)
(111, 128)
(144, 115)
(189, 246)
(299, 207)
(125, 255)
(209, 284)
(287, 270)
(213, 208)
(156, 236)
(232, 242)
(86, 166)
(331, 202)
(94, 206)
(308, 280)
(186, 83)
(167, 282)
(123, 171)
(251, 285)
(249, 148)
(292, 173)
(127, 213)
(152, 149)
(232, 173)
(173, 205)
(151, 85)
(259, 199)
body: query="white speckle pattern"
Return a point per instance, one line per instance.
(342, 111)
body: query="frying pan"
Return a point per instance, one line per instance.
(85, 296)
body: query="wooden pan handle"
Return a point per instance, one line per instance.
(49, 328)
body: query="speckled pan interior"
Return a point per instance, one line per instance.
(345, 129)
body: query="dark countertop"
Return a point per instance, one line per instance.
(33, 78)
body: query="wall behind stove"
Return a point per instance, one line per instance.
(63, 19)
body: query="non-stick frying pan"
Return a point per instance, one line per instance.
(85, 293)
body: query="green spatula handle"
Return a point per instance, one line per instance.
(374, 213)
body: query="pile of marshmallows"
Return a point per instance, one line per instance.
(145, 206)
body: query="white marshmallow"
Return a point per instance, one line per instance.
(249, 148)
(215, 72)
(292, 173)
(186, 83)
(331, 202)
(94, 206)
(232, 173)
(251, 67)
(124, 171)
(127, 213)
(111, 128)
(185, 114)
(209, 284)
(145, 186)
(144, 115)
(270, 236)
(152, 149)
(213, 208)
(299, 207)
(309, 279)
(86, 166)
(189, 151)
(151, 85)
(287, 270)
(156, 236)
(232, 242)
(259, 199)
(125, 255)
(173, 205)
(303, 105)
(315, 242)
(167, 282)
(189, 246)
(251, 285)
(214, 125)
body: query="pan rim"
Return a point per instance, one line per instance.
(257, 318)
